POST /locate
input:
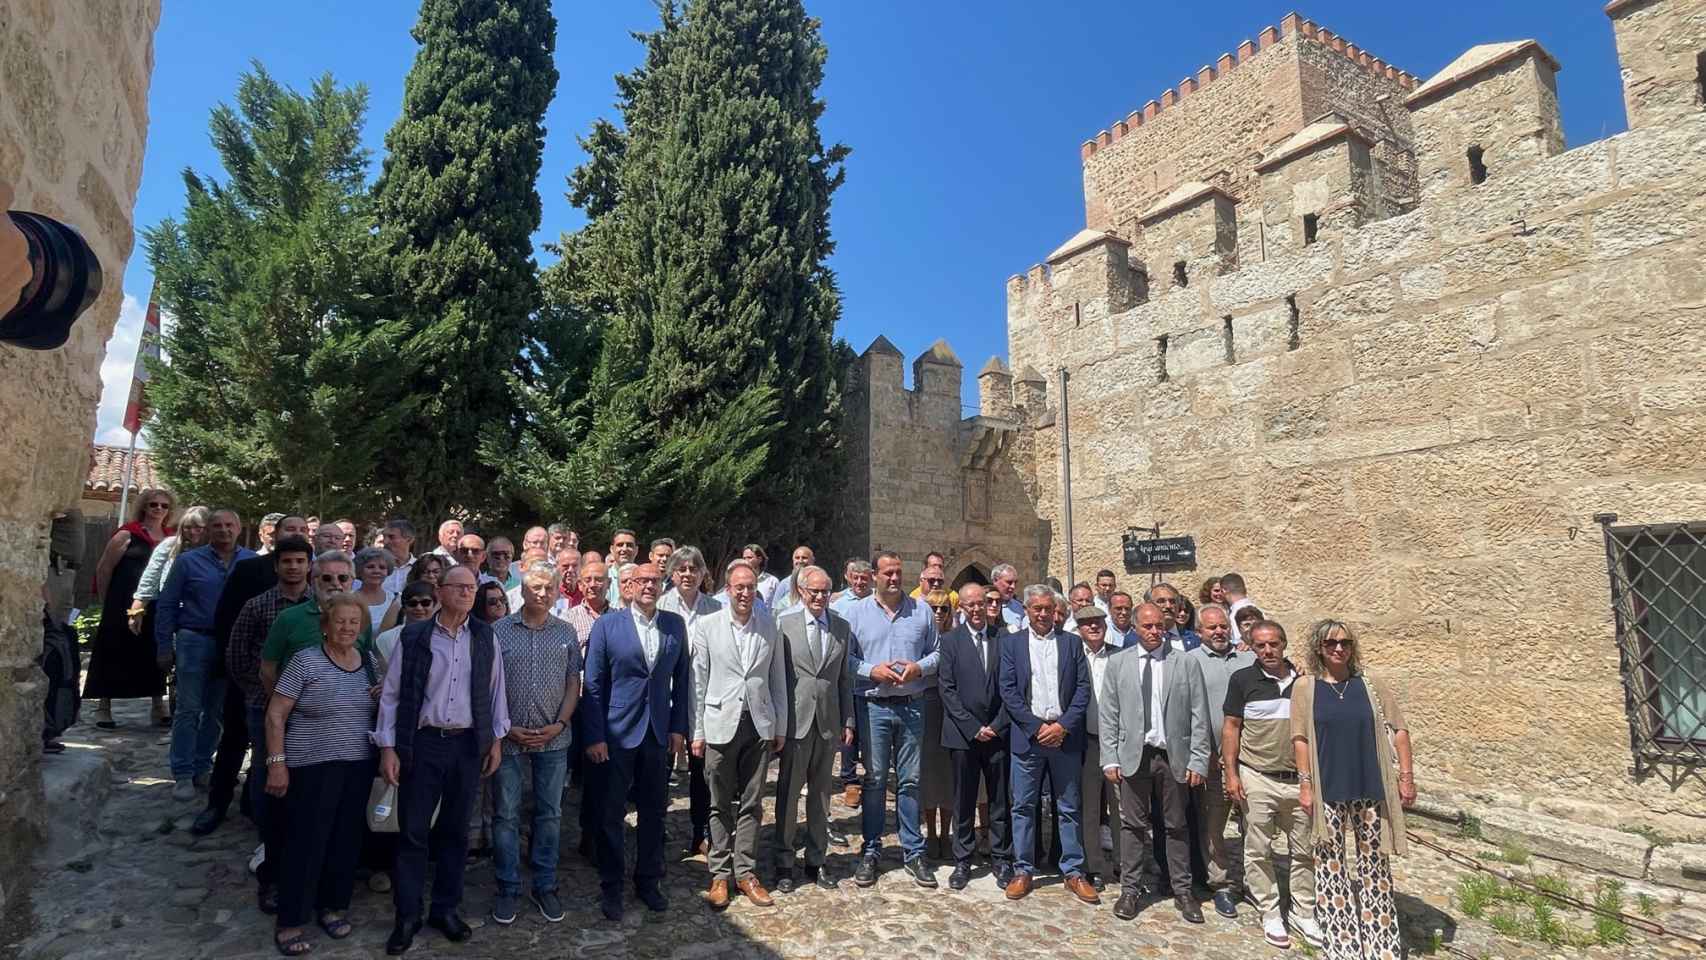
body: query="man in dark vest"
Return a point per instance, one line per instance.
(442, 716)
(639, 688)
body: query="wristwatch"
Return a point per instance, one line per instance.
(275, 758)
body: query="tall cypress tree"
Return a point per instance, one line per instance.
(281, 388)
(457, 210)
(711, 409)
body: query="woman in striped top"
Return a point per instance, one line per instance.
(320, 761)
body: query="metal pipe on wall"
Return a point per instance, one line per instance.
(1066, 482)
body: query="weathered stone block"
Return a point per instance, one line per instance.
(1597, 848)
(1679, 865)
(1382, 244)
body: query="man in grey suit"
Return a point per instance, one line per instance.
(820, 721)
(1154, 734)
(739, 721)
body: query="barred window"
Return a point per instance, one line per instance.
(1658, 601)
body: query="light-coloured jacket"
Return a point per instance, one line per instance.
(1184, 713)
(1388, 719)
(822, 688)
(724, 685)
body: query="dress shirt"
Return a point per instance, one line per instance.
(878, 637)
(538, 663)
(1183, 640)
(845, 600)
(1156, 735)
(1013, 614)
(1098, 670)
(703, 603)
(398, 578)
(191, 595)
(746, 643)
(582, 616)
(1121, 638)
(446, 701)
(1045, 677)
(648, 630)
(1102, 605)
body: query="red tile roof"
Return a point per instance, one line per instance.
(106, 470)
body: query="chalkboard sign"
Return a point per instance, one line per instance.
(1148, 554)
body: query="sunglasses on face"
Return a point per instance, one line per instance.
(944, 608)
(497, 601)
(1337, 642)
(470, 550)
(418, 603)
(159, 506)
(335, 578)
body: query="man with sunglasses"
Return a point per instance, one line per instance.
(471, 553)
(932, 577)
(298, 628)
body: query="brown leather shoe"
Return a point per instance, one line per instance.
(853, 796)
(1081, 888)
(755, 891)
(1019, 887)
(719, 896)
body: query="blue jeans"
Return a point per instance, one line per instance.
(201, 706)
(549, 769)
(1027, 776)
(893, 728)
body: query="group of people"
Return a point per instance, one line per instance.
(380, 695)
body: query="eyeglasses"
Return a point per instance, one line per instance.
(1337, 642)
(420, 603)
(159, 506)
(941, 608)
(335, 578)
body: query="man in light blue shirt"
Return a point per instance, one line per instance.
(183, 631)
(893, 659)
(1006, 581)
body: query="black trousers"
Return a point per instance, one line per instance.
(233, 743)
(988, 762)
(444, 773)
(642, 770)
(323, 810)
(698, 796)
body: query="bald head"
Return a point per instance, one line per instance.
(1151, 625)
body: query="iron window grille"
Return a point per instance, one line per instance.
(1658, 602)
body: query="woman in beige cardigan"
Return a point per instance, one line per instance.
(1353, 761)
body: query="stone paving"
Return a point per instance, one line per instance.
(140, 886)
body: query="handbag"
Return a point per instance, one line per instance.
(382, 796)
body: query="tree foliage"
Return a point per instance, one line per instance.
(687, 378)
(457, 209)
(281, 387)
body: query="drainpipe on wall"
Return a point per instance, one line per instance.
(1066, 482)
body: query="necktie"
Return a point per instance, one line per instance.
(1148, 692)
(814, 638)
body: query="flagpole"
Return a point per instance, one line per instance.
(129, 467)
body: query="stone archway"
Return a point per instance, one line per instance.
(970, 573)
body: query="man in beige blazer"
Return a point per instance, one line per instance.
(820, 723)
(740, 720)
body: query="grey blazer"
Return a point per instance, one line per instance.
(1124, 714)
(819, 689)
(724, 686)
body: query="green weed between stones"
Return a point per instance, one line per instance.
(1535, 917)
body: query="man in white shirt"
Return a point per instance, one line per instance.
(1096, 793)
(1121, 633)
(1106, 582)
(740, 686)
(449, 535)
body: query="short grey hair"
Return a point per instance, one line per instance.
(1004, 570)
(541, 569)
(1036, 590)
(856, 565)
(368, 554)
(687, 556)
(333, 556)
(1149, 595)
(1219, 608)
(812, 569)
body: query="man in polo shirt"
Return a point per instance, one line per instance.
(1005, 578)
(893, 658)
(298, 628)
(1261, 777)
(1219, 660)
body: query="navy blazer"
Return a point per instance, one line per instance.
(623, 698)
(1016, 689)
(971, 692)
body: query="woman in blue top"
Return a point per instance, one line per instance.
(1354, 780)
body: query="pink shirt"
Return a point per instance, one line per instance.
(446, 702)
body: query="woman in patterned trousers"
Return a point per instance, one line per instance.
(1353, 762)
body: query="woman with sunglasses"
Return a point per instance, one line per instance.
(935, 766)
(417, 603)
(491, 602)
(121, 662)
(1354, 778)
(428, 568)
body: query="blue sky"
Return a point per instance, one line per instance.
(964, 119)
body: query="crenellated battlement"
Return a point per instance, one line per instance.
(1292, 25)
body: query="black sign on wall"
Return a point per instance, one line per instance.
(1151, 553)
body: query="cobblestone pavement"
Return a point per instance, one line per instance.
(144, 888)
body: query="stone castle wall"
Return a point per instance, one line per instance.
(1411, 423)
(73, 121)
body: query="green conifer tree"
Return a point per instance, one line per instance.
(457, 209)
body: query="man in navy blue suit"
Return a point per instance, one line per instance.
(1045, 686)
(639, 688)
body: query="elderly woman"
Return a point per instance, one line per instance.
(1354, 778)
(687, 575)
(121, 663)
(320, 761)
(935, 767)
(372, 566)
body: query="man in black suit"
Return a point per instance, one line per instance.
(975, 732)
(249, 579)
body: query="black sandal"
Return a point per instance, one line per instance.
(338, 928)
(296, 946)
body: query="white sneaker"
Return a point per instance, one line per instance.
(1308, 930)
(259, 857)
(1273, 931)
